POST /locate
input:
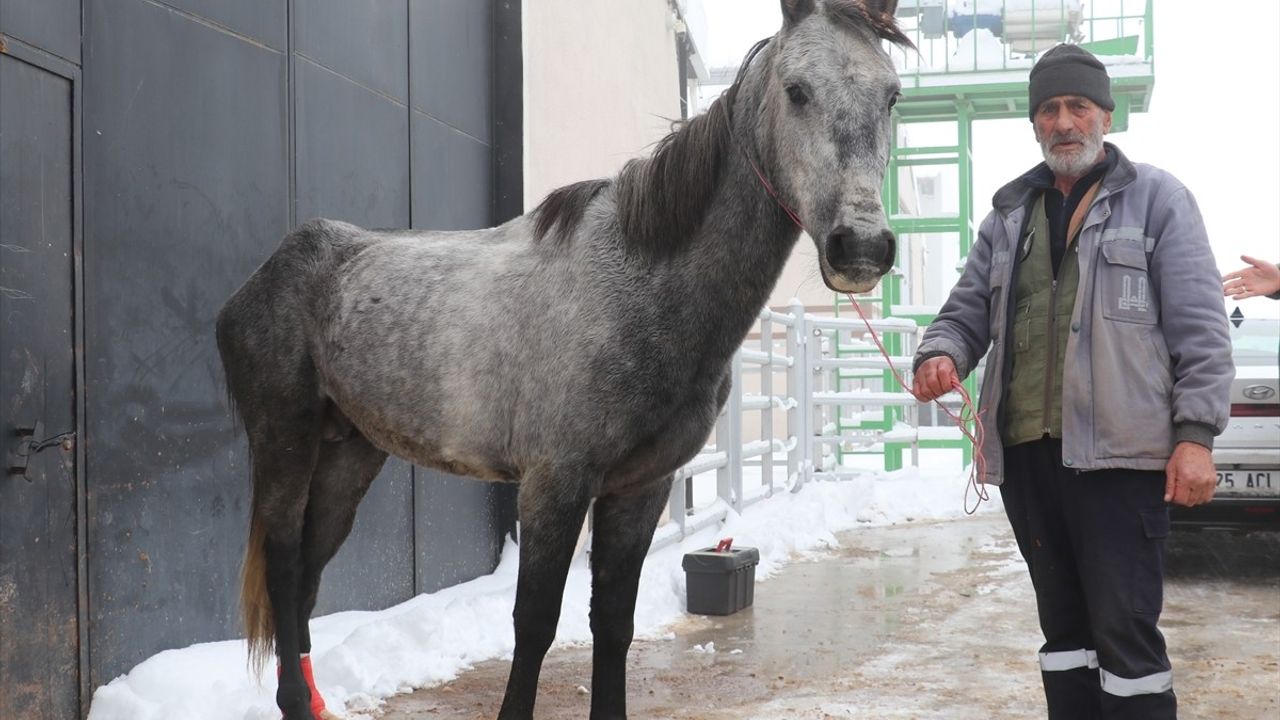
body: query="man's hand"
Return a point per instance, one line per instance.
(1259, 278)
(1190, 477)
(934, 378)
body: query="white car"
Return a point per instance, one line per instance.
(1247, 454)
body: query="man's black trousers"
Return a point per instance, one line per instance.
(1094, 543)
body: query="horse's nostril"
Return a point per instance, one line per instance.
(844, 248)
(890, 248)
(841, 248)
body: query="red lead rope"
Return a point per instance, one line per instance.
(968, 413)
(769, 187)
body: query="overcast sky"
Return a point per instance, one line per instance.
(1213, 121)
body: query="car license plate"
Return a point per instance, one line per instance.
(1249, 482)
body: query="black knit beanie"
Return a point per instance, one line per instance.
(1069, 70)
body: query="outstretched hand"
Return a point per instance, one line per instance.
(1190, 477)
(1259, 279)
(934, 378)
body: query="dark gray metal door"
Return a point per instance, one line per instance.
(210, 129)
(39, 620)
(205, 130)
(185, 183)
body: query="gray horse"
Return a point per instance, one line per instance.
(581, 350)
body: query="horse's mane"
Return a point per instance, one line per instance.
(856, 14)
(662, 199)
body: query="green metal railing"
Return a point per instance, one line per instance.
(1024, 29)
(990, 72)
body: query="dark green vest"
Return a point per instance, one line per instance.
(1042, 320)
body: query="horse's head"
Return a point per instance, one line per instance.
(824, 130)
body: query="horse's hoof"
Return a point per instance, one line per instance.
(312, 715)
(301, 712)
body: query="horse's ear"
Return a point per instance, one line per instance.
(885, 8)
(793, 11)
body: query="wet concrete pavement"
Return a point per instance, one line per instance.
(924, 620)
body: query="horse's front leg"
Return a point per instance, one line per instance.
(622, 531)
(552, 507)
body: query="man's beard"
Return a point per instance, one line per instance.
(1073, 164)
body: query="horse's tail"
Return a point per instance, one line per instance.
(255, 604)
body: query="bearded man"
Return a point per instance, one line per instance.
(1093, 284)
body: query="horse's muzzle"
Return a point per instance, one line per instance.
(855, 263)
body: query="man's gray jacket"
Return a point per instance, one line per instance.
(1148, 358)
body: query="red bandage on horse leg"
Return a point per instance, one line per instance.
(317, 702)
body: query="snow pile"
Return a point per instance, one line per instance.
(362, 657)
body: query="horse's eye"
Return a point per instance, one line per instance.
(893, 99)
(797, 95)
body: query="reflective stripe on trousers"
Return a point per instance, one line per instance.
(1068, 660)
(1062, 661)
(1153, 684)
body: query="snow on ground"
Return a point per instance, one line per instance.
(361, 658)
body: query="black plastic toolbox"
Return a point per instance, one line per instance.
(720, 582)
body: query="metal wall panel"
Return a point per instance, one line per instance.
(264, 21)
(451, 46)
(448, 168)
(366, 42)
(186, 192)
(352, 151)
(457, 519)
(51, 25)
(507, 78)
(39, 658)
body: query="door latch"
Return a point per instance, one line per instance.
(29, 440)
(20, 450)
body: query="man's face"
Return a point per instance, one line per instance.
(1070, 129)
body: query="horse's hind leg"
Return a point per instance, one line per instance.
(343, 473)
(342, 476)
(552, 508)
(284, 448)
(622, 530)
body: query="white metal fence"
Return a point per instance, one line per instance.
(807, 394)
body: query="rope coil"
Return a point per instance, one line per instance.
(969, 414)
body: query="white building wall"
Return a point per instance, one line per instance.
(601, 85)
